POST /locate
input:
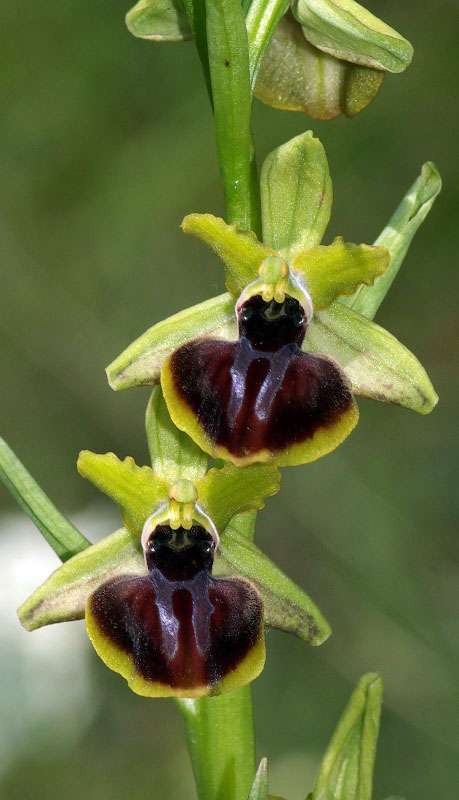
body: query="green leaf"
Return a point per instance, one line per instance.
(297, 76)
(346, 30)
(240, 251)
(286, 606)
(159, 20)
(346, 771)
(63, 596)
(338, 268)
(140, 364)
(173, 454)
(136, 490)
(376, 363)
(259, 790)
(397, 237)
(223, 493)
(60, 534)
(262, 20)
(296, 196)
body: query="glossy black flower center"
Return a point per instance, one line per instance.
(180, 554)
(268, 326)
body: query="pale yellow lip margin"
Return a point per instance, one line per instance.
(322, 442)
(248, 669)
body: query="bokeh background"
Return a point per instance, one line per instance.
(106, 142)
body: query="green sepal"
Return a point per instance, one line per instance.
(141, 363)
(346, 30)
(241, 252)
(376, 363)
(296, 195)
(259, 790)
(63, 596)
(296, 76)
(58, 531)
(225, 492)
(286, 606)
(346, 771)
(397, 237)
(159, 21)
(136, 490)
(339, 268)
(173, 454)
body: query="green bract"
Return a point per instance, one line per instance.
(159, 20)
(296, 205)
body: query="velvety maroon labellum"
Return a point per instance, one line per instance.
(181, 627)
(261, 393)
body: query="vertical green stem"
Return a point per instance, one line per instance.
(230, 78)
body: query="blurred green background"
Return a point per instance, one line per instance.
(106, 142)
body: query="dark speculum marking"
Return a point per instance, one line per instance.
(182, 627)
(261, 392)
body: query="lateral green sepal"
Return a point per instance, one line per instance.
(296, 195)
(225, 492)
(376, 363)
(63, 596)
(136, 490)
(339, 268)
(347, 767)
(397, 237)
(286, 606)
(159, 21)
(241, 252)
(141, 363)
(173, 454)
(346, 30)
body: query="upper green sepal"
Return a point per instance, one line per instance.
(159, 21)
(141, 363)
(297, 76)
(296, 196)
(376, 363)
(286, 606)
(241, 252)
(346, 30)
(339, 268)
(397, 237)
(63, 596)
(346, 770)
(173, 454)
(136, 490)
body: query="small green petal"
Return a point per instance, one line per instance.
(297, 76)
(173, 454)
(296, 196)
(397, 237)
(259, 790)
(286, 606)
(223, 493)
(339, 268)
(159, 20)
(346, 771)
(136, 490)
(346, 30)
(140, 364)
(63, 596)
(376, 363)
(240, 251)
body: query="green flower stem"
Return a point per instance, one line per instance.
(60, 534)
(230, 78)
(261, 21)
